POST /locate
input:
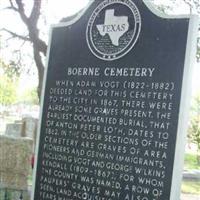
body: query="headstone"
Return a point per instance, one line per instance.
(30, 128)
(15, 165)
(14, 129)
(115, 99)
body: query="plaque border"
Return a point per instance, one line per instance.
(62, 24)
(184, 101)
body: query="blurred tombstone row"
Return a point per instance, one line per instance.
(27, 127)
(17, 147)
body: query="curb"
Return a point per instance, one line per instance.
(191, 175)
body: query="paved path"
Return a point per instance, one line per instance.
(190, 197)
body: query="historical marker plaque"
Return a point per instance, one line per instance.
(112, 109)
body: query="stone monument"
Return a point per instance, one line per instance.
(115, 105)
(15, 165)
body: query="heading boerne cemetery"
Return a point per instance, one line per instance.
(113, 122)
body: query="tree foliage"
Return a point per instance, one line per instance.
(194, 8)
(7, 90)
(194, 127)
(8, 84)
(11, 70)
(32, 18)
(29, 97)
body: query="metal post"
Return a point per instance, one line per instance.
(6, 195)
(21, 196)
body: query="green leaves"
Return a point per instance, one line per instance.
(194, 126)
(7, 90)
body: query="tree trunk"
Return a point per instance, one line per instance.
(40, 67)
(39, 46)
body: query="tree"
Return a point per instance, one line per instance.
(8, 84)
(194, 8)
(31, 23)
(11, 70)
(29, 96)
(194, 127)
(34, 37)
(7, 90)
(194, 5)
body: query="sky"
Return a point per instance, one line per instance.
(55, 11)
(63, 8)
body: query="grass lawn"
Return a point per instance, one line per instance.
(191, 162)
(191, 187)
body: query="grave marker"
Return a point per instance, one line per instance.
(14, 129)
(15, 165)
(113, 119)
